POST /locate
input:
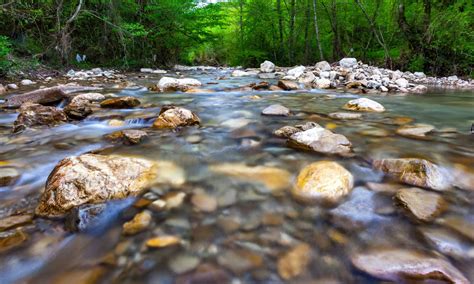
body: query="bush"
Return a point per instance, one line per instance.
(5, 49)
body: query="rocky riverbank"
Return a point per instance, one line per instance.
(201, 174)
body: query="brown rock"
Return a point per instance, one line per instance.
(14, 221)
(128, 137)
(288, 85)
(8, 176)
(459, 224)
(402, 265)
(42, 96)
(323, 182)
(93, 178)
(38, 115)
(204, 202)
(415, 131)
(240, 261)
(12, 240)
(139, 223)
(294, 262)
(120, 102)
(420, 204)
(173, 117)
(286, 131)
(417, 172)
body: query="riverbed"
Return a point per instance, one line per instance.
(249, 230)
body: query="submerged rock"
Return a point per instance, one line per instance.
(84, 217)
(416, 131)
(120, 102)
(163, 241)
(38, 115)
(323, 182)
(128, 136)
(320, 140)
(401, 265)
(448, 243)
(417, 172)
(139, 223)
(295, 262)
(172, 117)
(92, 178)
(8, 176)
(276, 110)
(420, 204)
(240, 261)
(273, 178)
(345, 115)
(364, 104)
(15, 221)
(286, 131)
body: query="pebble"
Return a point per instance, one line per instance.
(204, 202)
(294, 262)
(240, 261)
(163, 241)
(8, 176)
(138, 224)
(183, 263)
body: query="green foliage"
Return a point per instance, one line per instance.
(436, 38)
(5, 49)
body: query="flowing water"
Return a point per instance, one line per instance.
(251, 228)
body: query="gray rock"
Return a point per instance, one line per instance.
(320, 140)
(323, 66)
(348, 62)
(276, 110)
(267, 67)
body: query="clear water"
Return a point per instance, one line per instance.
(52, 254)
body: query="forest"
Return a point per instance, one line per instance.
(434, 36)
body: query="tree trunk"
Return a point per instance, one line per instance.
(316, 29)
(291, 38)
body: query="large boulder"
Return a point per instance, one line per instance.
(79, 107)
(419, 204)
(296, 72)
(38, 115)
(348, 62)
(267, 67)
(323, 66)
(364, 104)
(323, 182)
(320, 140)
(172, 117)
(120, 102)
(404, 265)
(90, 179)
(307, 78)
(168, 84)
(417, 172)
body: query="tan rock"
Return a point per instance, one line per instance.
(14, 221)
(415, 131)
(204, 202)
(38, 115)
(93, 178)
(294, 262)
(288, 85)
(120, 102)
(320, 140)
(420, 204)
(173, 117)
(417, 172)
(139, 223)
(273, 178)
(364, 104)
(323, 182)
(163, 241)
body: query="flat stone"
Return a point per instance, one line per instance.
(420, 204)
(460, 224)
(448, 243)
(400, 265)
(417, 172)
(139, 223)
(276, 110)
(417, 130)
(204, 202)
(41, 96)
(364, 104)
(120, 102)
(323, 182)
(12, 240)
(240, 261)
(294, 262)
(345, 115)
(235, 123)
(205, 273)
